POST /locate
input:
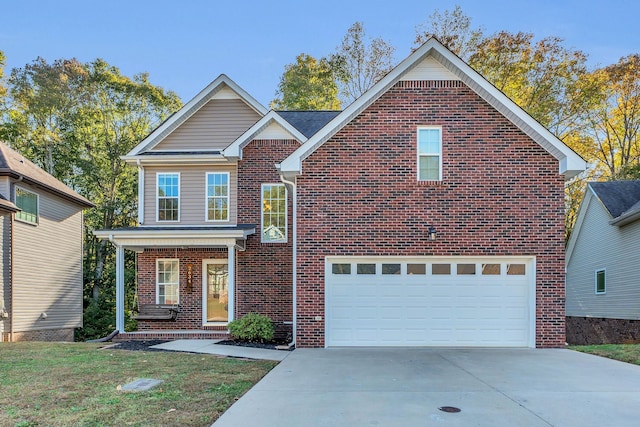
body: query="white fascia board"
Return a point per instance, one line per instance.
(191, 107)
(235, 149)
(179, 237)
(570, 163)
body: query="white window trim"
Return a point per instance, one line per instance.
(286, 214)
(418, 154)
(158, 260)
(595, 278)
(158, 197)
(15, 201)
(206, 197)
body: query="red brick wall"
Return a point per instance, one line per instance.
(501, 194)
(190, 316)
(264, 275)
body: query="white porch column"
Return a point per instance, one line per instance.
(120, 288)
(231, 266)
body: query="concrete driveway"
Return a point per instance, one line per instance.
(406, 386)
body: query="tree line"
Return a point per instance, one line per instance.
(76, 119)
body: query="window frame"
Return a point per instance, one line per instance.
(285, 239)
(604, 276)
(419, 155)
(158, 283)
(207, 197)
(158, 197)
(20, 212)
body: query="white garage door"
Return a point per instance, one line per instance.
(430, 301)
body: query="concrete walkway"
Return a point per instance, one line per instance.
(211, 347)
(405, 387)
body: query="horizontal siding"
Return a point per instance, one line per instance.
(429, 69)
(615, 249)
(48, 266)
(216, 125)
(192, 194)
(5, 187)
(5, 271)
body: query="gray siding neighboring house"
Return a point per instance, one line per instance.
(603, 266)
(41, 253)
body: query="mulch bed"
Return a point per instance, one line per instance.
(135, 345)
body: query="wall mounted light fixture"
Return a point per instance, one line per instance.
(432, 233)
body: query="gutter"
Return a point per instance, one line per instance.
(292, 185)
(11, 266)
(625, 218)
(140, 192)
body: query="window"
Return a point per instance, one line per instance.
(441, 269)
(341, 268)
(516, 270)
(429, 154)
(168, 196)
(465, 269)
(274, 213)
(601, 281)
(416, 269)
(28, 202)
(167, 280)
(490, 269)
(366, 269)
(217, 196)
(390, 268)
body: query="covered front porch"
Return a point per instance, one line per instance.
(193, 268)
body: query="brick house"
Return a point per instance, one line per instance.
(429, 212)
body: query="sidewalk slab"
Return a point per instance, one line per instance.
(210, 347)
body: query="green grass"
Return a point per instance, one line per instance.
(77, 384)
(629, 353)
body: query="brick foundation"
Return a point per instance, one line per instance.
(49, 335)
(591, 330)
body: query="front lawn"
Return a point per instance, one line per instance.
(629, 353)
(77, 384)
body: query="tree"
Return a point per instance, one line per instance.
(613, 123)
(76, 120)
(360, 62)
(453, 29)
(3, 89)
(544, 77)
(308, 84)
(44, 97)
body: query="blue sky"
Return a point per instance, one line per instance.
(185, 45)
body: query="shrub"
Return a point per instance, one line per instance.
(252, 327)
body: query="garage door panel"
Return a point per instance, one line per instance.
(426, 309)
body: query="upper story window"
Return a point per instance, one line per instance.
(218, 196)
(28, 202)
(274, 213)
(168, 196)
(429, 154)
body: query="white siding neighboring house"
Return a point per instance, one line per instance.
(41, 225)
(603, 266)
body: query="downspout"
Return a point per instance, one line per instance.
(140, 193)
(294, 268)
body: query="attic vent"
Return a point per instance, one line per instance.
(22, 160)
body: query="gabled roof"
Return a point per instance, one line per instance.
(13, 164)
(620, 198)
(190, 108)
(286, 130)
(570, 163)
(308, 122)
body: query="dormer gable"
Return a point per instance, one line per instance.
(210, 122)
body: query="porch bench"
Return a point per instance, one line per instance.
(157, 312)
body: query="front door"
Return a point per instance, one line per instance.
(216, 291)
